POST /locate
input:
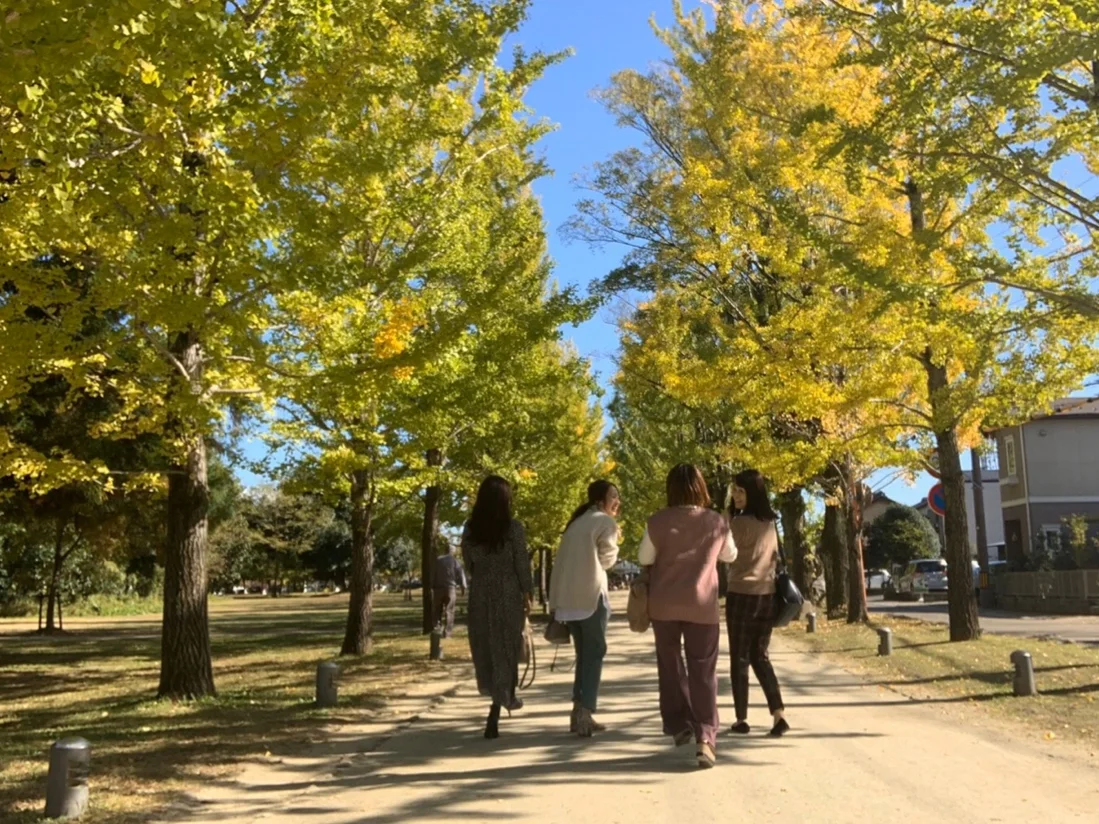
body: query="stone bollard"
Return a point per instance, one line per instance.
(437, 644)
(811, 622)
(327, 689)
(1024, 673)
(885, 641)
(67, 784)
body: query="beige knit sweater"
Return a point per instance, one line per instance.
(753, 571)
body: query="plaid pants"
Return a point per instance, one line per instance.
(750, 619)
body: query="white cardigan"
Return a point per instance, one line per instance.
(588, 549)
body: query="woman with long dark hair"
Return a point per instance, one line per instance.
(750, 605)
(578, 595)
(494, 546)
(681, 548)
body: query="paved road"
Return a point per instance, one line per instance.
(1083, 629)
(858, 753)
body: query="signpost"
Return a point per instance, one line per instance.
(936, 499)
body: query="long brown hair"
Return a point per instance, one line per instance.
(687, 487)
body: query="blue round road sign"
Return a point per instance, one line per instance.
(936, 499)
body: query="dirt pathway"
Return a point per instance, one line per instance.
(859, 753)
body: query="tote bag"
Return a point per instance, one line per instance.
(788, 598)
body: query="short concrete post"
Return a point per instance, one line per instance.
(437, 644)
(811, 622)
(327, 689)
(67, 784)
(885, 641)
(1024, 673)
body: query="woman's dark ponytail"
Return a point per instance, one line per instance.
(597, 493)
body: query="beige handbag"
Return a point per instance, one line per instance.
(528, 657)
(526, 653)
(637, 607)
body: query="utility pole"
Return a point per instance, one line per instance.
(982, 527)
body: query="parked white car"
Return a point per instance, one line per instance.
(923, 576)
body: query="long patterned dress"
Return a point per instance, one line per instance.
(499, 580)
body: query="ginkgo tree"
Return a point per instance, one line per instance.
(1002, 93)
(152, 168)
(463, 411)
(848, 285)
(745, 316)
(406, 270)
(196, 184)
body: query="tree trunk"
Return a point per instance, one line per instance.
(186, 671)
(549, 569)
(834, 549)
(428, 543)
(792, 507)
(543, 580)
(360, 625)
(964, 622)
(53, 594)
(856, 571)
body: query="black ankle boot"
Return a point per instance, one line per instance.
(492, 727)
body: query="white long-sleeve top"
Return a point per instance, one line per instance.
(588, 549)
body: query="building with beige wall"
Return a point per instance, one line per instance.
(1049, 471)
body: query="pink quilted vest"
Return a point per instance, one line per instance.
(683, 581)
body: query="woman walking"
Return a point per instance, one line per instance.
(495, 550)
(750, 606)
(681, 547)
(578, 595)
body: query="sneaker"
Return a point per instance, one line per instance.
(706, 756)
(779, 729)
(685, 737)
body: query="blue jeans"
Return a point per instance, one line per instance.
(590, 640)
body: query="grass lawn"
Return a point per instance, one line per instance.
(98, 680)
(976, 675)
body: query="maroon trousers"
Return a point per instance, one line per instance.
(688, 689)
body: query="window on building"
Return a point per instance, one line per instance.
(1009, 456)
(1050, 535)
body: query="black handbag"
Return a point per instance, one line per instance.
(788, 598)
(556, 632)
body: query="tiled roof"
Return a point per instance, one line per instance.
(1076, 406)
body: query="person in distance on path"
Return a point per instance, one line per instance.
(681, 548)
(494, 546)
(750, 605)
(448, 579)
(578, 595)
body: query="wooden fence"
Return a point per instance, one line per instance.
(1072, 592)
